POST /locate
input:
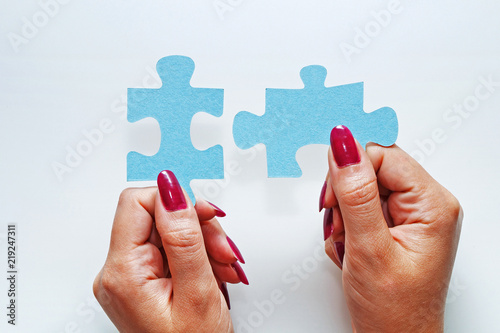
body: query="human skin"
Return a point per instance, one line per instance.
(168, 264)
(390, 227)
(394, 232)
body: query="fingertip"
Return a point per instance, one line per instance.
(241, 274)
(218, 212)
(172, 195)
(235, 250)
(224, 272)
(330, 198)
(216, 242)
(344, 147)
(205, 210)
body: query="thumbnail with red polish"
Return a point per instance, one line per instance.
(171, 193)
(344, 147)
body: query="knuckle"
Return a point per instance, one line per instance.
(108, 283)
(96, 286)
(454, 208)
(185, 237)
(360, 192)
(452, 212)
(127, 196)
(446, 205)
(105, 289)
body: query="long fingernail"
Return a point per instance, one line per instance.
(322, 197)
(170, 191)
(235, 249)
(328, 223)
(225, 293)
(239, 271)
(218, 212)
(344, 147)
(339, 251)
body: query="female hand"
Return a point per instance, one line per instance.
(393, 230)
(168, 263)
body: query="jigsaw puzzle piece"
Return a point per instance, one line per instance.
(173, 105)
(298, 117)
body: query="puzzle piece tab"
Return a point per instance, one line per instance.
(298, 117)
(173, 106)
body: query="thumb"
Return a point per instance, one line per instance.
(354, 182)
(182, 239)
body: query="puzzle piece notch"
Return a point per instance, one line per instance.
(173, 105)
(298, 117)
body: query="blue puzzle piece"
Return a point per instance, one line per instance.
(298, 117)
(173, 106)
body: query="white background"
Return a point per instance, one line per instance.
(73, 72)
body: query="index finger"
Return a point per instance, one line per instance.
(396, 170)
(133, 219)
(413, 191)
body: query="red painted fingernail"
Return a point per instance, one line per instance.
(239, 271)
(218, 212)
(235, 249)
(322, 197)
(328, 223)
(339, 251)
(344, 147)
(225, 293)
(170, 191)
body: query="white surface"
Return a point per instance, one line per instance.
(73, 72)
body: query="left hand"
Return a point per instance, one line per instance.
(167, 264)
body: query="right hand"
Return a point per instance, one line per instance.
(394, 231)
